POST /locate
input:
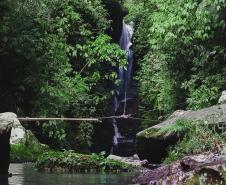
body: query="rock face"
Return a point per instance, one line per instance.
(153, 145)
(17, 134)
(208, 168)
(6, 122)
(116, 12)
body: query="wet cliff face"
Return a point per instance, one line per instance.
(116, 14)
(103, 134)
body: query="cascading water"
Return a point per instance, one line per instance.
(125, 76)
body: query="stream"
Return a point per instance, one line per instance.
(25, 174)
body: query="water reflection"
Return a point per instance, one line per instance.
(25, 174)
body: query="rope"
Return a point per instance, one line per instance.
(59, 119)
(125, 104)
(100, 119)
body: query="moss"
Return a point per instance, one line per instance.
(153, 143)
(184, 137)
(216, 175)
(73, 162)
(180, 126)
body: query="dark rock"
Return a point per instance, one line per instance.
(211, 166)
(127, 128)
(116, 12)
(4, 154)
(153, 143)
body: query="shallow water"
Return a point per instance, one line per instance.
(25, 174)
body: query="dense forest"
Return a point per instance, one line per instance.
(180, 48)
(152, 73)
(60, 59)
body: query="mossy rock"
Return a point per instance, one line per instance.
(71, 162)
(153, 143)
(6, 122)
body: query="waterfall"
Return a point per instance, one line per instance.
(125, 76)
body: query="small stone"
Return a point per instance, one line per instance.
(136, 157)
(222, 99)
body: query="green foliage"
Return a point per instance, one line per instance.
(21, 153)
(135, 11)
(56, 61)
(84, 136)
(180, 126)
(199, 138)
(27, 150)
(73, 162)
(180, 46)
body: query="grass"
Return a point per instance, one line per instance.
(180, 126)
(21, 153)
(27, 149)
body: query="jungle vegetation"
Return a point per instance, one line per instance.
(59, 59)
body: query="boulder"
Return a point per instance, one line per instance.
(17, 134)
(208, 168)
(7, 120)
(133, 160)
(153, 143)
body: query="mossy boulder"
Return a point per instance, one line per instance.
(6, 122)
(153, 143)
(71, 162)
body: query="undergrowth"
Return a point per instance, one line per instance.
(27, 150)
(199, 138)
(21, 153)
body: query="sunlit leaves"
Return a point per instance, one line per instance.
(64, 63)
(181, 50)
